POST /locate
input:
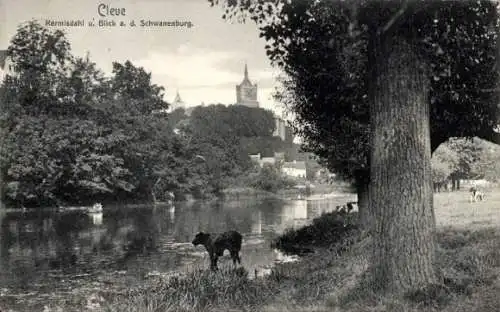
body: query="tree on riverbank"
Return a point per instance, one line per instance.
(429, 74)
(270, 179)
(71, 135)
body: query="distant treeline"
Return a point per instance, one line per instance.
(460, 158)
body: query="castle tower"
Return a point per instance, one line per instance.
(246, 92)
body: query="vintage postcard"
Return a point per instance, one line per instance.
(249, 155)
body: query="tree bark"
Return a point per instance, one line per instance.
(401, 192)
(455, 183)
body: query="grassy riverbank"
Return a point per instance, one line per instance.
(333, 278)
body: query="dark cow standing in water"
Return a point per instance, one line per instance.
(228, 240)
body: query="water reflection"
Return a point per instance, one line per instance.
(171, 211)
(96, 218)
(300, 209)
(45, 248)
(257, 224)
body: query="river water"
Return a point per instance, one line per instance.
(47, 255)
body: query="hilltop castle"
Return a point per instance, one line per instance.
(246, 94)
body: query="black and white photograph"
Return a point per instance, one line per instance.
(250, 155)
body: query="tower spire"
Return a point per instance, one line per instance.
(246, 71)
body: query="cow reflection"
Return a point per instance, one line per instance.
(96, 218)
(142, 239)
(64, 260)
(139, 244)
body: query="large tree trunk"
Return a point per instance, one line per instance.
(455, 183)
(401, 177)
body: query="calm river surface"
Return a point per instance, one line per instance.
(46, 255)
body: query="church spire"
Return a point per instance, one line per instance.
(246, 80)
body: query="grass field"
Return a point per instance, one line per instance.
(468, 258)
(454, 209)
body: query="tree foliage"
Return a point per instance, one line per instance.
(269, 178)
(488, 166)
(460, 158)
(467, 159)
(226, 135)
(73, 135)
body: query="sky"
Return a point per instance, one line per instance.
(204, 62)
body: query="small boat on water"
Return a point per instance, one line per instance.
(96, 208)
